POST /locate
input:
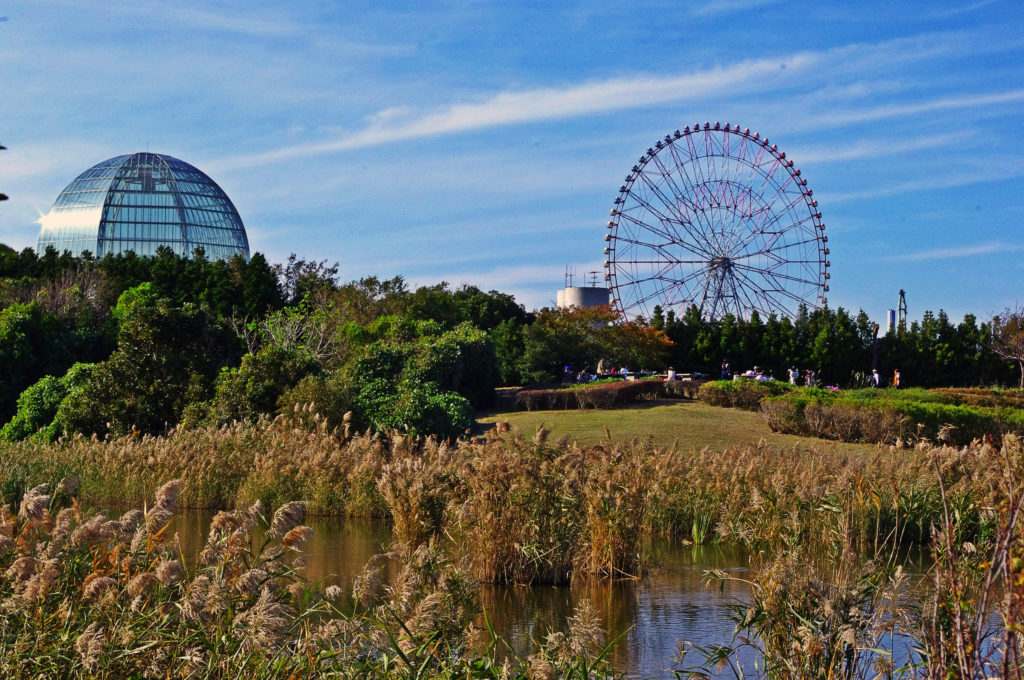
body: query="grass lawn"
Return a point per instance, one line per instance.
(690, 424)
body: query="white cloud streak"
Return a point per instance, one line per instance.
(644, 90)
(996, 172)
(878, 148)
(711, 7)
(933, 106)
(509, 108)
(957, 252)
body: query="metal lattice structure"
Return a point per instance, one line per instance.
(716, 217)
(140, 202)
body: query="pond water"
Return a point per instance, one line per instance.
(653, 615)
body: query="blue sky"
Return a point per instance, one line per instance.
(484, 142)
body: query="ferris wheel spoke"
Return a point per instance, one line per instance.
(690, 245)
(656, 294)
(770, 301)
(642, 202)
(670, 261)
(695, 160)
(788, 210)
(775, 276)
(793, 196)
(680, 194)
(645, 225)
(656, 190)
(751, 303)
(658, 291)
(690, 189)
(665, 201)
(660, 276)
(670, 232)
(781, 246)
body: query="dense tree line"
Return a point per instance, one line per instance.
(841, 348)
(126, 344)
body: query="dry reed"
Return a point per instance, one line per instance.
(521, 508)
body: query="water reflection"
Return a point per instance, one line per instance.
(652, 615)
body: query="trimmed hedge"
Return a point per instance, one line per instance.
(888, 421)
(744, 394)
(683, 389)
(1013, 398)
(606, 395)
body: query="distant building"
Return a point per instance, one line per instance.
(582, 297)
(140, 202)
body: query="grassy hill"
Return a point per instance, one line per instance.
(687, 424)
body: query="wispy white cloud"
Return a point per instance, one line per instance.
(957, 252)
(710, 7)
(399, 123)
(876, 148)
(252, 20)
(995, 170)
(954, 11)
(916, 108)
(544, 104)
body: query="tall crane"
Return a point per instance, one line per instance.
(901, 324)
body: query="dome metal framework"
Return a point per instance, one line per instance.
(716, 217)
(140, 202)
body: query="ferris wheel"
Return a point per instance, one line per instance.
(716, 217)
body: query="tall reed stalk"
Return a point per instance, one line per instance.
(829, 610)
(92, 597)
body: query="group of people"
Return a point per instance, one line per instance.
(810, 377)
(876, 379)
(611, 370)
(792, 373)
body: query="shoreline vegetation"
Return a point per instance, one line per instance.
(503, 507)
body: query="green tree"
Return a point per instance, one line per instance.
(509, 348)
(166, 358)
(300, 278)
(254, 388)
(420, 378)
(39, 403)
(32, 344)
(561, 337)
(1008, 337)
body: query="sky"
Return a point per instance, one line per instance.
(484, 143)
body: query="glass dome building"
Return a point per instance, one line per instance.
(140, 202)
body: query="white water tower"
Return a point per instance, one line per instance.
(581, 296)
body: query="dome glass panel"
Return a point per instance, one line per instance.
(140, 202)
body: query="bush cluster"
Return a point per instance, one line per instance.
(744, 394)
(602, 395)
